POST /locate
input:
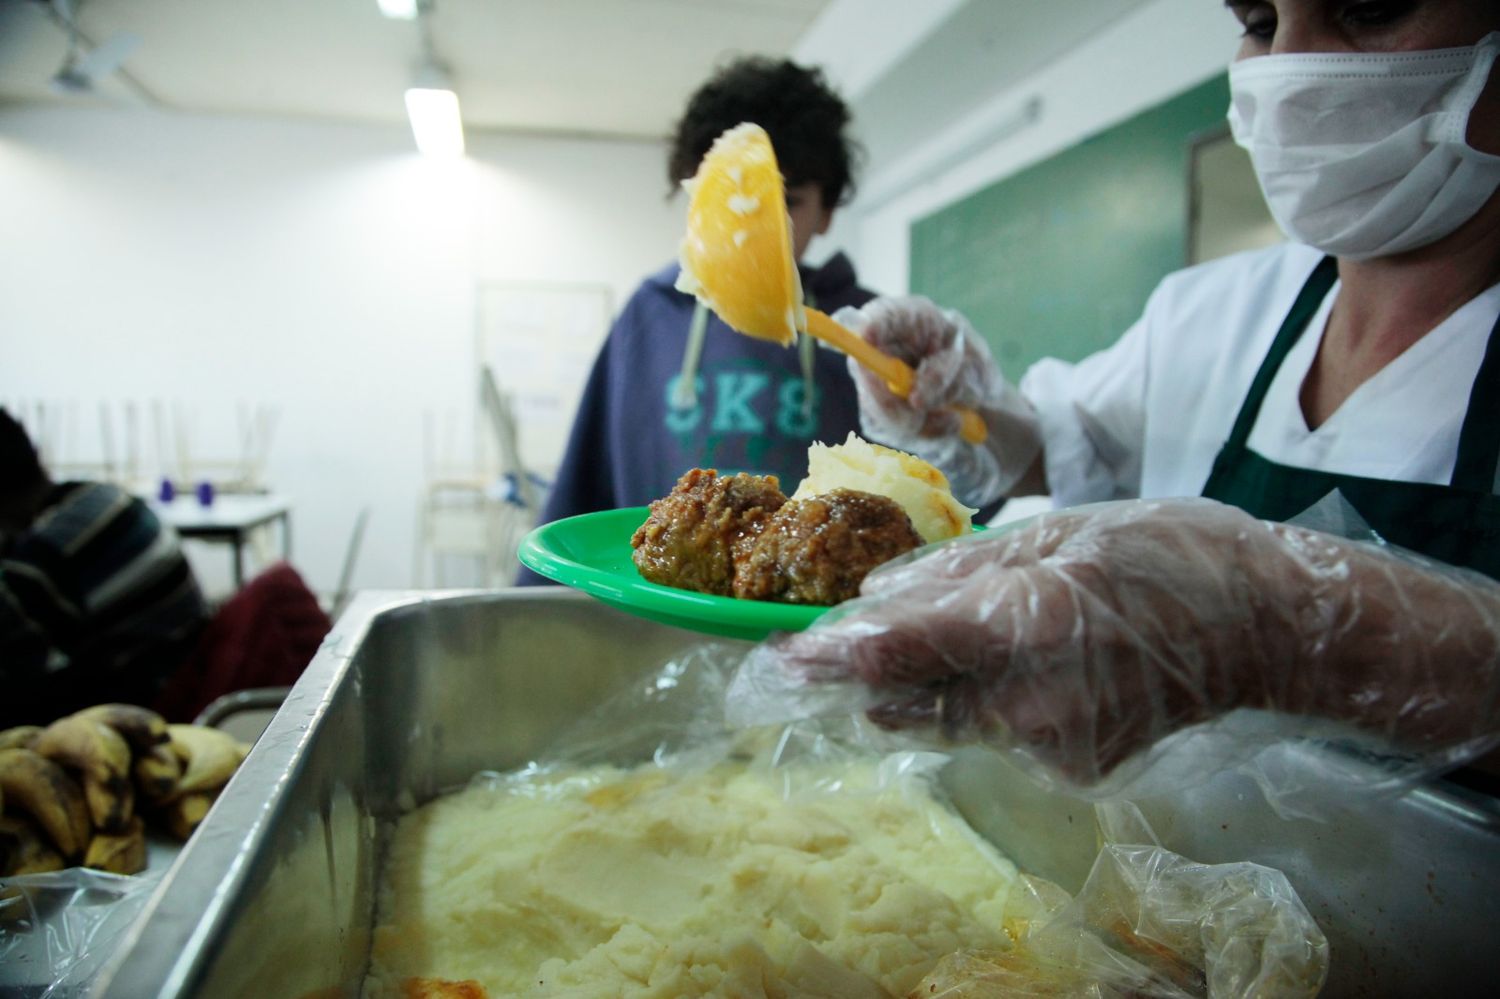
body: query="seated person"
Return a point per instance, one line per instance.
(97, 602)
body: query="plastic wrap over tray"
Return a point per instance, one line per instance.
(414, 693)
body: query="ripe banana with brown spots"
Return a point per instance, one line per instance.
(157, 772)
(119, 853)
(111, 803)
(25, 849)
(34, 784)
(86, 745)
(141, 727)
(20, 737)
(209, 757)
(184, 813)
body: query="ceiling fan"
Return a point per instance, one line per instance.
(85, 63)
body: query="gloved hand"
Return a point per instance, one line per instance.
(1091, 634)
(953, 368)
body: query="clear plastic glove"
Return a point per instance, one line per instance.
(1092, 633)
(953, 367)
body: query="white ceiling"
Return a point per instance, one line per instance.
(619, 67)
(595, 67)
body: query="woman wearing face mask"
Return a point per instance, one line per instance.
(1362, 358)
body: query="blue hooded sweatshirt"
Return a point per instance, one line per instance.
(630, 444)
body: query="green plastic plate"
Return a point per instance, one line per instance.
(591, 552)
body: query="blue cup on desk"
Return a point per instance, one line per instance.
(167, 492)
(205, 493)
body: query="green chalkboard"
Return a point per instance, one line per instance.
(1058, 260)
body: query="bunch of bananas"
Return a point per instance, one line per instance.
(79, 791)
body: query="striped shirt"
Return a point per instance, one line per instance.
(97, 603)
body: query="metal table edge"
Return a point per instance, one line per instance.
(206, 876)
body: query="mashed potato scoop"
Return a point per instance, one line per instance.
(920, 489)
(737, 259)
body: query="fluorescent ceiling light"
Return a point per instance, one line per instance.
(401, 10)
(432, 107)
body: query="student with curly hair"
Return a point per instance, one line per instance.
(673, 388)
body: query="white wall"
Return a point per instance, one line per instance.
(322, 268)
(1155, 52)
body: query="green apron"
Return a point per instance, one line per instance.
(1458, 523)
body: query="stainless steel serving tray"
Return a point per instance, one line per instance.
(413, 693)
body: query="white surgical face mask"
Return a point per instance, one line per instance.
(1364, 154)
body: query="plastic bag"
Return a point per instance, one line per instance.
(1151, 923)
(1231, 926)
(58, 929)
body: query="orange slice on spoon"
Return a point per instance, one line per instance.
(737, 259)
(737, 255)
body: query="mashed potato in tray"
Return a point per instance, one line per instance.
(920, 488)
(646, 883)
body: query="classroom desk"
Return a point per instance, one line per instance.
(229, 518)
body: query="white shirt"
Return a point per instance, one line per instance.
(1147, 416)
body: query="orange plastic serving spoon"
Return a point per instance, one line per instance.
(737, 259)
